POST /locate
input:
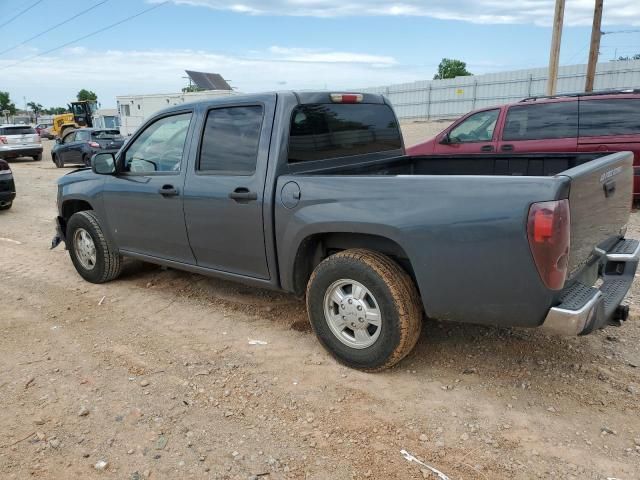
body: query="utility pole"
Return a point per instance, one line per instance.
(554, 54)
(596, 33)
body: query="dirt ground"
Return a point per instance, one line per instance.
(156, 375)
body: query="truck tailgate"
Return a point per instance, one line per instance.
(600, 199)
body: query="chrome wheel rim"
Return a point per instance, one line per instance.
(85, 248)
(352, 313)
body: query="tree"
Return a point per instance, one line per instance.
(87, 95)
(451, 68)
(36, 108)
(6, 104)
(55, 110)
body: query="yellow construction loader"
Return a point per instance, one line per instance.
(81, 116)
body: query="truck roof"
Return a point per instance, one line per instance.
(304, 97)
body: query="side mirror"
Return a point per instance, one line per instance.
(103, 163)
(446, 139)
(58, 140)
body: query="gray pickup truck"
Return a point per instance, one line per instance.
(312, 193)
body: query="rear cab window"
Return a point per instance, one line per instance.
(605, 117)
(105, 134)
(327, 131)
(542, 121)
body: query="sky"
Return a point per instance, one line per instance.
(261, 45)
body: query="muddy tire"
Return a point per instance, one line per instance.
(95, 259)
(364, 308)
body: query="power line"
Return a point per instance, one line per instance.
(84, 37)
(20, 13)
(53, 28)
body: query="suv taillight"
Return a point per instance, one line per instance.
(549, 233)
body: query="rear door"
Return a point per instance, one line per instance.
(611, 124)
(542, 127)
(475, 133)
(65, 149)
(224, 193)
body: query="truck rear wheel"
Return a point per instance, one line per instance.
(364, 309)
(95, 259)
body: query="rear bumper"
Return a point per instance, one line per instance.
(12, 151)
(585, 308)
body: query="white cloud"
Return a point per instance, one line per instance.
(538, 12)
(116, 72)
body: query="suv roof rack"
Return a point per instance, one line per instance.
(581, 94)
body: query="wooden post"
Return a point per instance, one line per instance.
(554, 54)
(595, 47)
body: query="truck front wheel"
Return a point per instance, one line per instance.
(364, 309)
(95, 259)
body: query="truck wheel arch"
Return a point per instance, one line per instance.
(69, 207)
(315, 248)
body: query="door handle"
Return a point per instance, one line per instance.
(486, 148)
(243, 194)
(506, 148)
(168, 191)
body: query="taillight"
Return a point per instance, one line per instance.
(94, 144)
(3, 139)
(346, 97)
(549, 233)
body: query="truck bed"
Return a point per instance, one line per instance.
(459, 219)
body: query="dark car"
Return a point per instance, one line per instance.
(78, 146)
(312, 192)
(7, 186)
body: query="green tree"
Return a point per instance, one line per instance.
(451, 68)
(6, 104)
(87, 95)
(55, 110)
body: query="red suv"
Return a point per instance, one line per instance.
(608, 121)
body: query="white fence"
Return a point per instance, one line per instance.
(451, 98)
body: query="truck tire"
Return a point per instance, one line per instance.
(364, 309)
(95, 259)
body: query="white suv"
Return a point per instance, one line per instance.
(19, 141)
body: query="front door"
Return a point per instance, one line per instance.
(473, 134)
(224, 196)
(144, 201)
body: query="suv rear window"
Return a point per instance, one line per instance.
(324, 131)
(17, 131)
(619, 116)
(537, 122)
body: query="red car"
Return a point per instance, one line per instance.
(607, 121)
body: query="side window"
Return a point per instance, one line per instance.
(609, 117)
(69, 138)
(230, 140)
(159, 148)
(537, 122)
(82, 136)
(478, 127)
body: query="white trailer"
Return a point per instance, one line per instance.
(135, 109)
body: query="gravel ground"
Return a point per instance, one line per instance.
(154, 376)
